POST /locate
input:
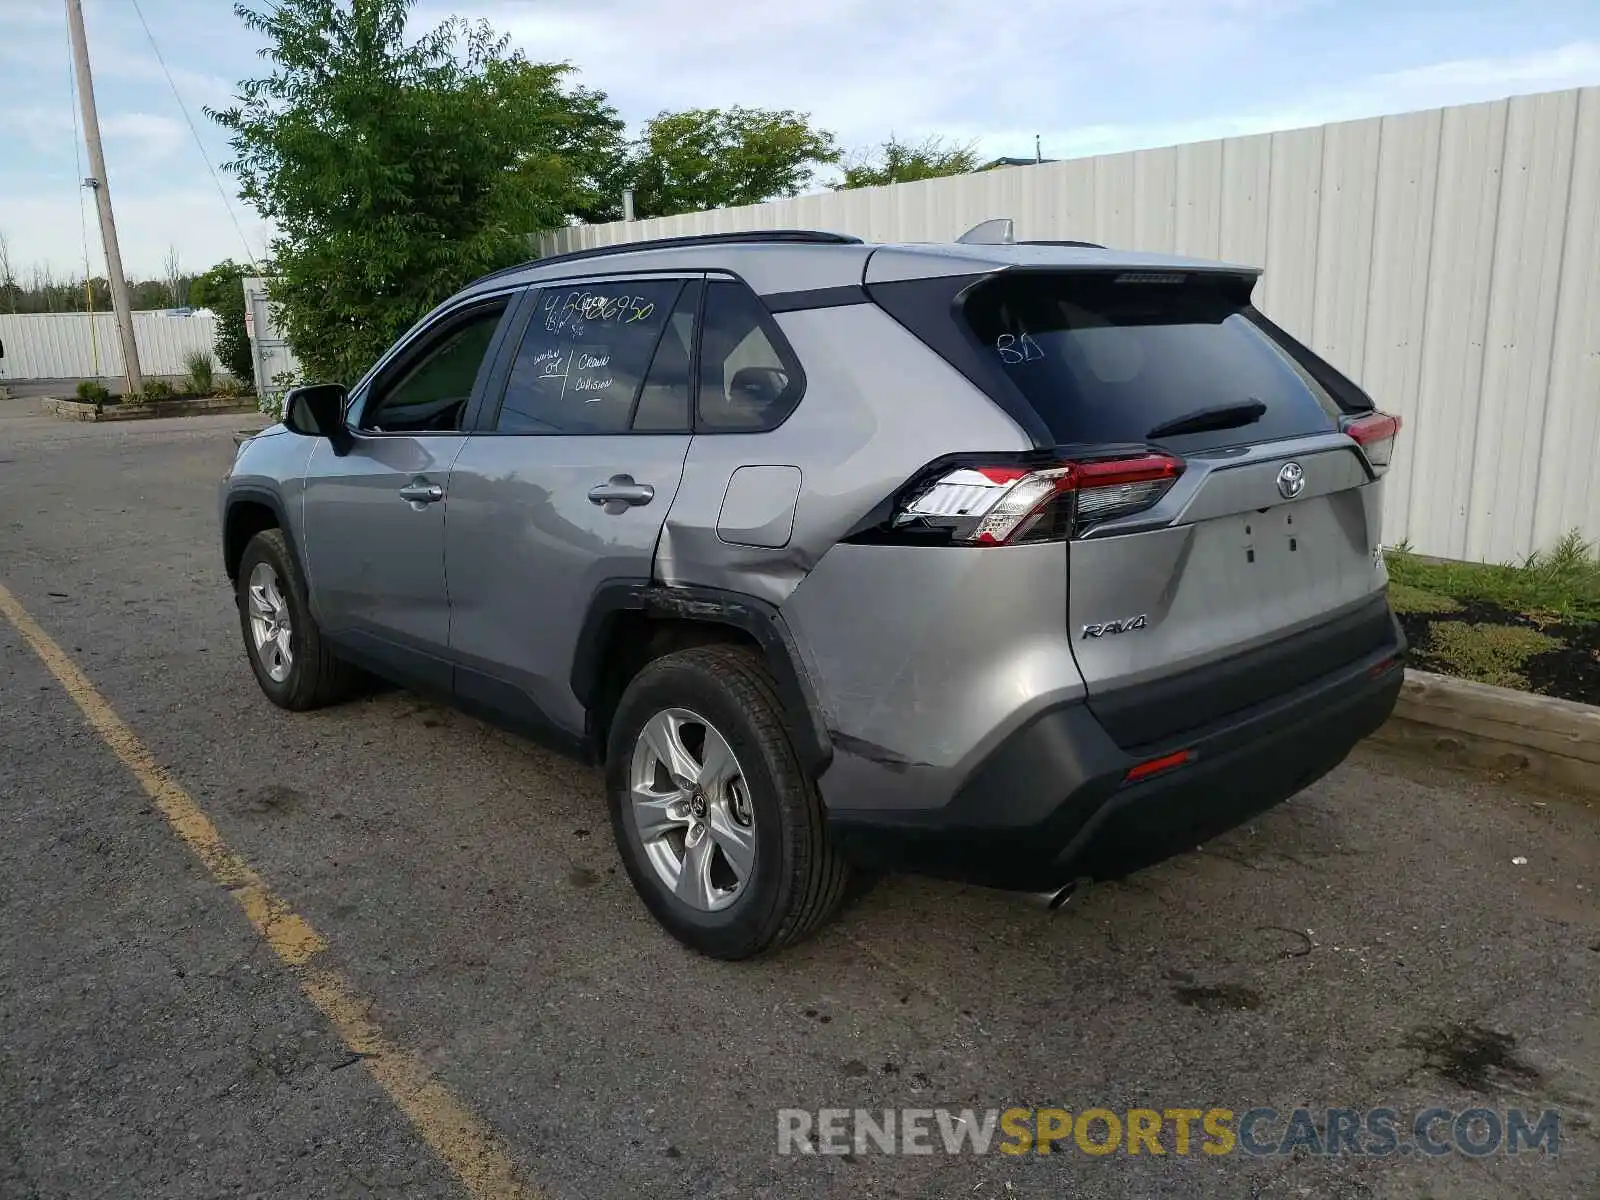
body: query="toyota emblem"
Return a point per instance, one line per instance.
(1291, 480)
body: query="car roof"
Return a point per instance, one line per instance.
(780, 261)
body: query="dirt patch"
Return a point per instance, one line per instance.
(1479, 1059)
(274, 798)
(1222, 997)
(1475, 639)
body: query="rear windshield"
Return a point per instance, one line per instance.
(1113, 358)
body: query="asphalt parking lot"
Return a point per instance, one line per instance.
(1372, 943)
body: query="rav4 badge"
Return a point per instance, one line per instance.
(1127, 625)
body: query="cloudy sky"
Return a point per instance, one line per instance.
(1088, 75)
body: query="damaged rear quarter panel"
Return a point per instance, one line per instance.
(926, 657)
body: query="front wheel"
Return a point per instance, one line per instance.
(719, 828)
(292, 663)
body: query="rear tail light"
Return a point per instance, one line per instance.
(1374, 433)
(1005, 505)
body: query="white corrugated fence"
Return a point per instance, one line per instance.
(85, 346)
(1449, 260)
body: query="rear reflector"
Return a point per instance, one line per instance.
(1004, 505)
(1375, 434)
(1157, 765)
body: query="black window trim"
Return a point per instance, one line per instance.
(779, 343)
(650, 363)
(495, 390)
(416, 345)
(1346, 393)
(813, 298)
(958, 346)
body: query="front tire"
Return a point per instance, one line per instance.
(718, 827)
(292, 663)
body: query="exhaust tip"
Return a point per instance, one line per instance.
(1056, 900)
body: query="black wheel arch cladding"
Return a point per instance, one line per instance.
(756, 618)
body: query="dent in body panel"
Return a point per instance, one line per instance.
(878, 407)
(924, 658)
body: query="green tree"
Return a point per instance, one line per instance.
(9, 289)
(394, 171)
(221, 289)
(146, 295)
(715, 158)
(902, 162)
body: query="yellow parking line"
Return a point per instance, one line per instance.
(452, 1131)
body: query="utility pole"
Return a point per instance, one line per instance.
(102, 196)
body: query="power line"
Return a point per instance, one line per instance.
(195, 133)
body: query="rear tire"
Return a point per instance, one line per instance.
(794, 879)
(292, 663)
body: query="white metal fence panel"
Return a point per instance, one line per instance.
(1449, 260)
(274, 361)
(85, 345)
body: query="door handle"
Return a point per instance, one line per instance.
(619, 492)
(422, 493)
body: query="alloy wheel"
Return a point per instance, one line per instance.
(271, 630)
(691, 809)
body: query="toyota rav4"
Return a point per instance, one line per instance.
(1018, 563)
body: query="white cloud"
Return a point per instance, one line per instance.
(45, 228)
(31, 14)
(142, 137)
(140, 66)
(41, 127)
(1463, 81)
(862, 68)
(1091, 75)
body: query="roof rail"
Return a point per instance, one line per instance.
(1049, 242)
(737, 237)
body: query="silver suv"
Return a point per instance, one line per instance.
(1019, 563)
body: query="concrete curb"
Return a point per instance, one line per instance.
(81, 410)
(1472, 724)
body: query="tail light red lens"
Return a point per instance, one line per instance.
(1374, 433)
(1004, 505)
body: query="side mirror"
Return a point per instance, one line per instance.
(317, 410)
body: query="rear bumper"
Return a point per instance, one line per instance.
(1051, 804)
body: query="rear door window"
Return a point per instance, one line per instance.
(1106, 358)
(584, 356)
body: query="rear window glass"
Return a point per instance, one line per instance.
(1113, 358)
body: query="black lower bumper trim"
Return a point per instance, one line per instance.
(1051, 805)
